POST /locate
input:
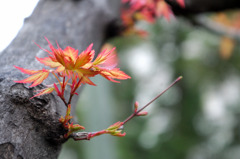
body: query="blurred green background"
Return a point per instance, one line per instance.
(196, 119)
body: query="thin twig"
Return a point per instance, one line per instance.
(135, 113)
(57, 79)
(87, 135)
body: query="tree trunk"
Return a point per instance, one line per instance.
(29, 128)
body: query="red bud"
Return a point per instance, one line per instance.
(142, 113)
(136, 106)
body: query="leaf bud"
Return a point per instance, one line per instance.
(136, 106)
(142, 113)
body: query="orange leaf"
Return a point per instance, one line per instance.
(68, 63)
(61, 68)
(163, 9)
(107, 58)
(29, 72)
(115, 73)
(71, 52)
(58, 54)
(148, 15)
(39, 80)
(85, 57)
(88, 81)
(36, 78)
(84, 74)
(44, 91)
(47, 61)
(50, 46)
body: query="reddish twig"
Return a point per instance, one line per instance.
(137, 112)
(116, 128)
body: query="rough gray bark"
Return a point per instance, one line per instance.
(29, 128)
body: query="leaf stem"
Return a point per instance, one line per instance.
(63, 86)
(74, 90)
(57, 79)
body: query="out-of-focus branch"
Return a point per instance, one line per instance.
(203, 6)
(193, 9)
(216, 27)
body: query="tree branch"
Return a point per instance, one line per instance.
(216, 27)
(203, 6)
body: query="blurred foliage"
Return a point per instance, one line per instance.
(196, 119)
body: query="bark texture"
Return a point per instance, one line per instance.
(29, 128)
